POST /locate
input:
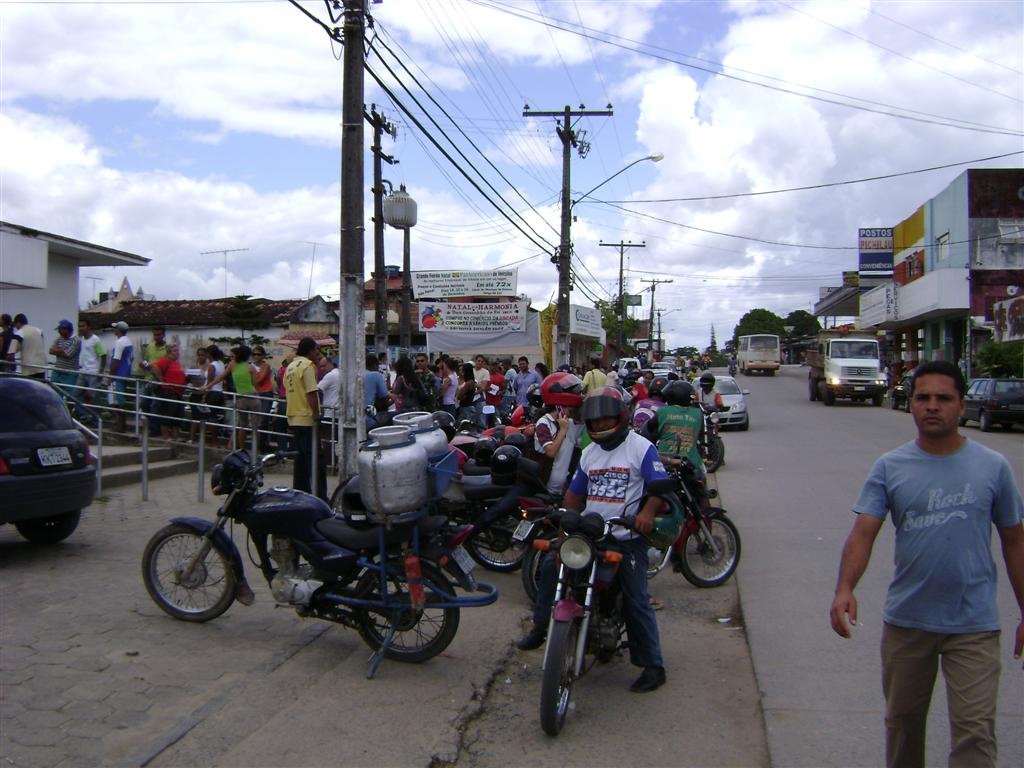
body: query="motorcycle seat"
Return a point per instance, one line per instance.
(473, 469)
(336, 530)
(483, 492)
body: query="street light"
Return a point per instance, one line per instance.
(565, 250)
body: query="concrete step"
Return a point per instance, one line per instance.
(131, 474)
(125, 455)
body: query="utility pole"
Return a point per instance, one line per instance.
(380, 304)
(352, 323)
(622, 246)
(225, 251)
(570, 139)
(660, 342)
(650, 323)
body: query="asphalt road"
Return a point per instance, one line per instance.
(790, 483)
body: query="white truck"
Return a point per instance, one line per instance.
(845, 364)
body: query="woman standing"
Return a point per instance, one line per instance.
(242, 374)
(407, 388)
(263, 380)
(449, 386)
(467, 395)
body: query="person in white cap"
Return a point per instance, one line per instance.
(121, 368)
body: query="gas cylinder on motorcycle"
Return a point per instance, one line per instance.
(392, 472)
(426, 431)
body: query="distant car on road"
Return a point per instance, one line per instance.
(738, 414)
(993, 402)
(663, 366)
(47, 475)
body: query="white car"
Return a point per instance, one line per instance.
(665, 366)
(738, 414)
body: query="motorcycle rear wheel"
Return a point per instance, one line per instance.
(494, 549)
(559, 675)
(716, 455)
(699, 564)
(530, 574)
(419, 634)
(203, 594)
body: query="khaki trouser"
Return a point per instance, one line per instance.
(970, 666)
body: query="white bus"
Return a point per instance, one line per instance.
(758, 353)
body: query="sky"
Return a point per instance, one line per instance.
(172, 128)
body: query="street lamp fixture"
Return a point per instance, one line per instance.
(655, 157)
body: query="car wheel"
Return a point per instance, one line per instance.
(985, 421)
(745, 425)
(49, 530)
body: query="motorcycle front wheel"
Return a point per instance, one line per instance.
(559, 675)
(200, 594)
(700, 564)
(419, 633)
(494, 548)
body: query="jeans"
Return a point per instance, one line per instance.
(303, 440)
(970, 665)
(641, 624)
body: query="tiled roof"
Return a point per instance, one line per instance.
(205, 312)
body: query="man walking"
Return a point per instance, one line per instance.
(121, 368)
(303, 411)
(525, 379)
(595, 378)
(92, 361)
(33, 351)
(65, 350)
(944, 493)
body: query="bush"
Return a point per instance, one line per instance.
(1002, 360)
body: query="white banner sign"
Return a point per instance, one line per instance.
(585, 321)
(446, 285)
(492, 317)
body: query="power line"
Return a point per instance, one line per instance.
(817, 186)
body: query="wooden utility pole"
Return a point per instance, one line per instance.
(380, 124)
(352, 325)
(621, 305)
(570, 139)
(650, 326)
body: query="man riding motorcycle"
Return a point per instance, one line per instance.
(676, 428)
(708, 395)
(610, 480)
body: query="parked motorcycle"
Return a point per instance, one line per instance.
(383, 578)
(587, 618)
(707, 551)
(712, 448)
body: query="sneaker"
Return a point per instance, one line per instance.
(532, 640)
(650, 679)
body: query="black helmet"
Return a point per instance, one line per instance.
(657, 386)
(483, 451)
(503, 465)
(517, 440)
(445, 422)
(604, 403)
(678, 393)
(231, 473)
(707, 379)
(534, 397)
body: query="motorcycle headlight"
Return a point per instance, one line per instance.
(714, 417)
(576, 553)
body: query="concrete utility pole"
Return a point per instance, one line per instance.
(622, 246)
(650, 325)
(352, 324)
(570, 139)
(380, 304)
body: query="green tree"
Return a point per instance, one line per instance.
(803, 322)
(759, 321)
(713, 346)
(245, 313)
(1002, 360)
(610, 321)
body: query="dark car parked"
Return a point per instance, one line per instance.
(899, 398)
(994, 401)
(47, 475)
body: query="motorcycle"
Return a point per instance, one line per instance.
(587, 618)
(732, 368)
(712, 448)
(707, 551)
(387, 580)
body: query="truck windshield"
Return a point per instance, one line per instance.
(862, 350)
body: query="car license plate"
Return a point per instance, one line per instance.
(522, 530)
(461, 556)
(858, 389)
(53, 457)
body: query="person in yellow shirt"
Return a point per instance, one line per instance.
(303, 412)
(595, 378)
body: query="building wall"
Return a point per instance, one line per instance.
(947, 230)
(45, 307)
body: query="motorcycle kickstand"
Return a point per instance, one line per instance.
(378, 656)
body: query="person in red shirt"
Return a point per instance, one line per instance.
(494, 393)
(170, 411)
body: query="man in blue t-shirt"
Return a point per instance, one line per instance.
(375, 395)
(944, 494)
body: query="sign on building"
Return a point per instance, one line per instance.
(446, 285)
(585, 321)
(489, 317)
(1009, 318)
(875, 247)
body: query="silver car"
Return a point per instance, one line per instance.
(738, 414)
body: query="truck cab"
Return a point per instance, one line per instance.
(847, 366)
